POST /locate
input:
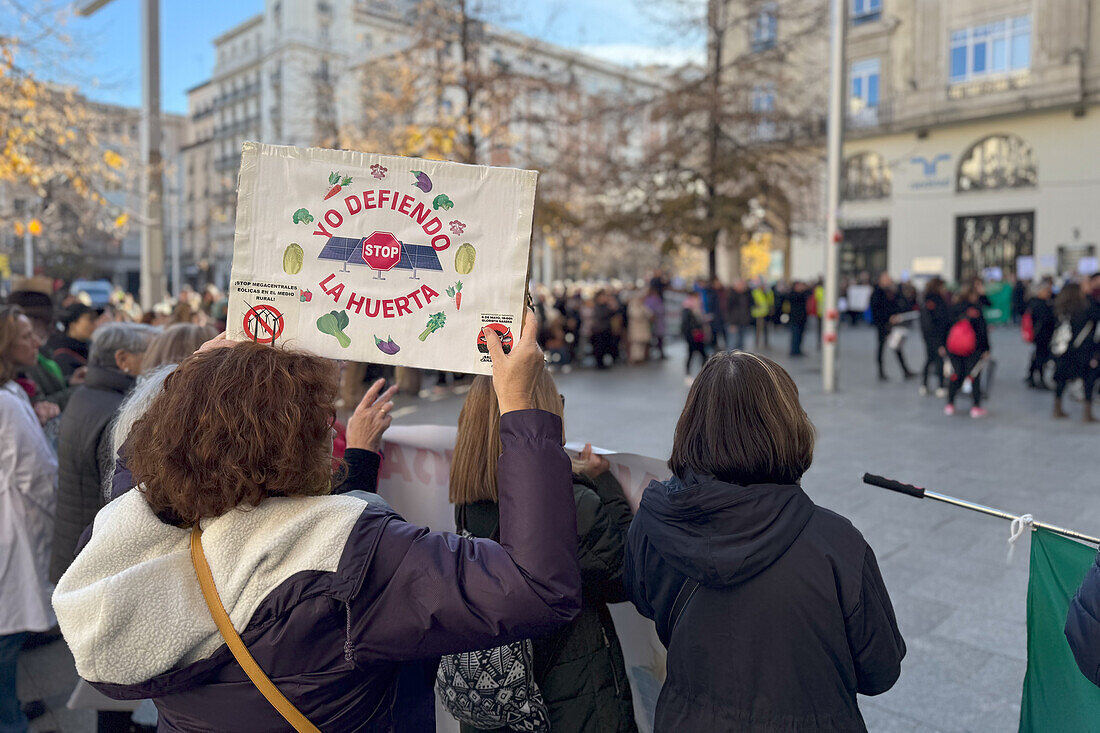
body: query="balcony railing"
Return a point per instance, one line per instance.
(868, 117)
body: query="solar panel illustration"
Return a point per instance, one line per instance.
(349, 251)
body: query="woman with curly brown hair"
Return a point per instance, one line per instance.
(324, 596)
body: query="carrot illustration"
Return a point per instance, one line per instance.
(336, 183)
(456, 292)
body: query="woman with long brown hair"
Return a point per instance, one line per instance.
(235, 590)
(772, 608)
(28, 495)
(1074, 347)
(578, 669)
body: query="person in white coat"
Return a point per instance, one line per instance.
(28, 493)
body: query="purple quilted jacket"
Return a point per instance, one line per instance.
(342, 636)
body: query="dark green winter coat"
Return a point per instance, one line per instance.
(580, 668)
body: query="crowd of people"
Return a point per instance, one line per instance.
(320, 608)
(1059, 319)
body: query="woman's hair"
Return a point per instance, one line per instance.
(175, 343)
(474, 466)
(743, 424)
(233, 426)
(933, 287)
(111, 337)
(137, 401)
(1070, 301)
(9, 331)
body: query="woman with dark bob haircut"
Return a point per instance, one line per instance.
(772, 608)
(335, 597)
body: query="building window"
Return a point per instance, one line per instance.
(866, 177)
(992, 49)
(765, 24)
(863, 102)
(998, 161)
(865, 11)
(762, 105)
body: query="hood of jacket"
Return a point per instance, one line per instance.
(110, 380)
(718, 533)
(130, 606)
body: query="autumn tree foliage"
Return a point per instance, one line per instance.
(53, 160)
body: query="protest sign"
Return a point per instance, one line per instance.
(414, 479)
(376, 258)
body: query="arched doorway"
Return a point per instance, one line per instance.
(988, 242)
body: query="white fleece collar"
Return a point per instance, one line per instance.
(130, 606)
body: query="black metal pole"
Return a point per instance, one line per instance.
(920, 493)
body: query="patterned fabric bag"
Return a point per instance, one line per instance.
(493, 688)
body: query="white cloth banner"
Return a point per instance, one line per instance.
(414, 480)
(375, 258)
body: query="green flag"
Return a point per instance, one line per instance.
(1057, 697)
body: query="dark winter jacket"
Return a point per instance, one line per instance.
(738, 308)
(69, 353)
(884, 305)
(48, 377)
(973, 313)
(330, 594)
(797, 301)
(579, 668)
(935, 319)
(772, 608)
(1083, 624)
(1043, 321)
(84, 457)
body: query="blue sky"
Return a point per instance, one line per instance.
(107, 64)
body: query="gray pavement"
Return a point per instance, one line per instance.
(960, 605)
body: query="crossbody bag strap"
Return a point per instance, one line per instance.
(233, 640)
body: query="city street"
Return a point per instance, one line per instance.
(960, 606)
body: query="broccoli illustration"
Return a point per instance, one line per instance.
(436, 321)
(302, 216)
(442, 201)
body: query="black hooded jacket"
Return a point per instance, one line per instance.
(772, 608)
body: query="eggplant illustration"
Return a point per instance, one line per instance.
(422, 181)
(387, 347)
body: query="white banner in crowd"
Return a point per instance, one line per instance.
(414, 480)
(375, 258)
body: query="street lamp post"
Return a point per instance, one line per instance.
(152, 189)
(832, 198)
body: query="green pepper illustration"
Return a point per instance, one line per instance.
(334, 323)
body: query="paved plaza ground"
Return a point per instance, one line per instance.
(960, 605)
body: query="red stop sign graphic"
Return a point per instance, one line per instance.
(381, 251)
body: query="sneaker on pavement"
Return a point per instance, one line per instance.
(941, 392)
(948, 410)
(977, 412)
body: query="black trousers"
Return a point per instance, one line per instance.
(693, 349)
(1071, 367)
(1039, 361)
(962, 366)
(934, 361)
(883, 333)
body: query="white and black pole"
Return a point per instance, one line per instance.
(835, 153)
